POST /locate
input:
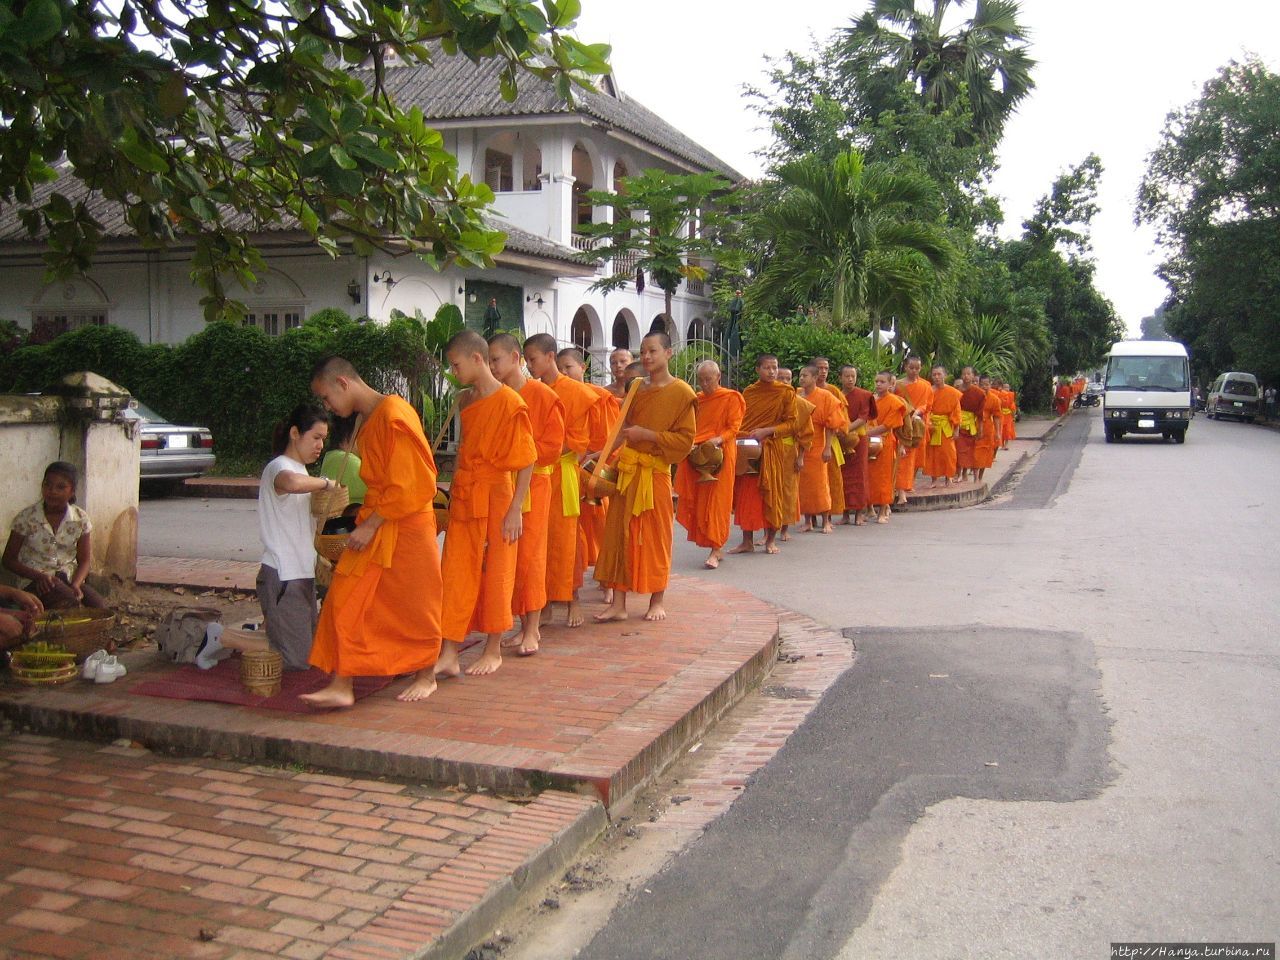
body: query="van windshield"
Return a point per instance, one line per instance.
(1147, 373)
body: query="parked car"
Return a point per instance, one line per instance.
(1234, 395)
(170, 452)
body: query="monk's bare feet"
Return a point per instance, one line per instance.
(529, 644)
(883, 518)
(771, 548)
(807, 528)
(489, 662)
(861, 521)
(514, 639)
(843, 521)
(608, 594)
(423, 686)
(744, 547)
(827, 527)
(615, 612)
(784, 536)
(656, 611)
(574, 617)
(447, 666)
(338, 694)
(713, 561)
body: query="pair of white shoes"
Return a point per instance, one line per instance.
(102, 667)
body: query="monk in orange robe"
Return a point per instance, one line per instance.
(761, 500)
(546, 416)
(1008, 408)
(984, 453)
(661, 424)
(918, 392)
(619, 360)
(1062, 397)
(835, 466)
(861, 406)
(944, 421)
(804, 441)
(891, 411)
(381, 617)
(495, 463)
(828, 419)
(564, 572)
(705, 508)
(972, 400)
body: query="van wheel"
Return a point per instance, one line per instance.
(1180, 436)
(1107, 435)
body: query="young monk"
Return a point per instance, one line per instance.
(546, 416)
(971, 402)
(761, 500)
(636, 554)
(804, 442)
(381, 616)
(944, 419)
(861, 405)
(829, 418)
(619, 360)
(984, 452)
(835, 476)
(1008, 407)
(705, 509)
(891, 410)
(918, 392)
(495, 463)
(564, 573)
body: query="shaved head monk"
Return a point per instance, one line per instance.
(546, 415)
(972, 400)
(495, 462)
(918, 392)
(829, 418)
(564, 573)
(705, 507)
(381, 617)
(984, 452)
(761, 497)
(659, 429)
(835, 467)
(619, 360)
(861, 405)
(1008, 411)
(891, 411)
(944, 421)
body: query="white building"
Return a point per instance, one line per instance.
(537, 155)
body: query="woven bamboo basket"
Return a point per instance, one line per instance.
(44, 676)
(261, 672)
(80, 630)
(331, 502)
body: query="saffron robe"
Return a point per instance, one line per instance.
(1062, 398)
(804, 443)
(706, 509)
(762, 500)
(940, 444)
(862, 406)
(829, 414)
(891, 410)
(919, 394)
(1009, 406)
(635, 555)
(546, 416)
(591, 522)
(835, 476)
(971, 402)
(984, 451)
(564, 573)
(381, 617)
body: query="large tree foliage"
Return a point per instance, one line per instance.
(983, 59)
(207, 120)
(1212, 189)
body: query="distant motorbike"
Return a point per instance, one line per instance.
(1087, 399)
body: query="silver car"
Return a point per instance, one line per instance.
(170, 452)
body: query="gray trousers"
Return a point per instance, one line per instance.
(289, 609)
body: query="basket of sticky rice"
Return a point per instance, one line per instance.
(81, 630)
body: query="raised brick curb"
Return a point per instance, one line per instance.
(197, 574)
(230, 488)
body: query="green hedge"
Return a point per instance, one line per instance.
(796, 342)
(234, 379)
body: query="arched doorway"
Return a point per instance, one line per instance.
(699, 329)
(624, 330)
(583, 180)
(580, 334)
(663, 323)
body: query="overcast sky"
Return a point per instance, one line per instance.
(1108, 73)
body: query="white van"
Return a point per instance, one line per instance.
(1147, 390)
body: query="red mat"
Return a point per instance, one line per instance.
(222, 685)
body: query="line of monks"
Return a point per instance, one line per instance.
(555, 475)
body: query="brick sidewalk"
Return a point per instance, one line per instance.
(197, 574)
(114, 852)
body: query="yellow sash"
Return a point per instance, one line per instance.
(527, 504)
(1005, 411)
(636, 467)
(570, 494)
(837, 454)
(969, 423)
(939, 427)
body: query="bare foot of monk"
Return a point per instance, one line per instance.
(513, 639)
(861, 521)
(883, 518)
(529, 645)
(807, 528)
(447, 665)
(574, 617)
(827, 527)
(616, 611)
(608, 594)
(746, 546)
(338, 694)
(490, 660)
(784, 535)
(656, 610)
(423, 686)
(843, 521)
(713, 561)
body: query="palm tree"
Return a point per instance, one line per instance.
(862, 237)
(984, 57)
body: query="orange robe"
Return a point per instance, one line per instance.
(564, 574)
(1008, 407)
(705, 509)
(546, 415)
(984, 452)
(636, 553)
(862, 406)
(919, 394)
(815, 487)
(971, 401)
(804, 442)
(944, 421)
(835, 475)
(381, 617)
(766, 499)
(891, 410)
(591, 523)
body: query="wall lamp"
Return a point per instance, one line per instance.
(537, 298)
(353, 291)
(385, 277)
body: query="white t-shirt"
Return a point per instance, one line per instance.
(285, 525)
